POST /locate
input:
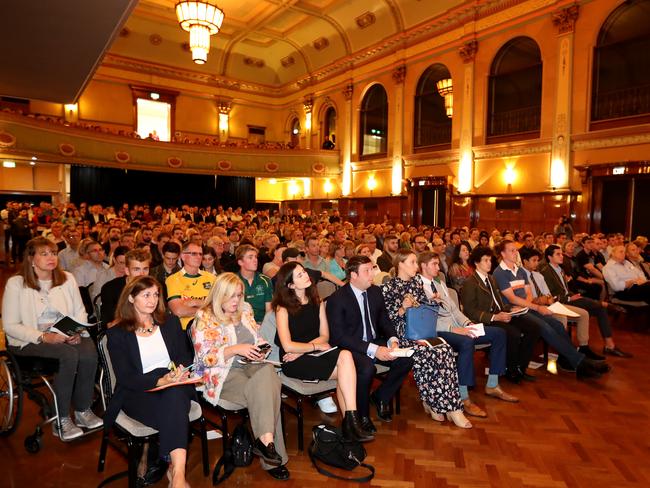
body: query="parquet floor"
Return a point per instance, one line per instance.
(564, 433)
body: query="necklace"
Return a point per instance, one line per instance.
(147, 330)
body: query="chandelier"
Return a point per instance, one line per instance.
(445, 89)
(201, 19)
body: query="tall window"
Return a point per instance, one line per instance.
(431, 125)
(515, 91)
(295, 133)
(621, 72)
(329, 124)
(374, 123)
(154, 109)
(154, 120)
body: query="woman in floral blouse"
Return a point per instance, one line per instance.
(227, 357)
(434, 368)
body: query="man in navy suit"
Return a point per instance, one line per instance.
(358, 322)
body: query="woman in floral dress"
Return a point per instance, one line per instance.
(434, 368)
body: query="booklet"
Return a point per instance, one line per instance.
(477, 330)
(189, 381)
(318, 354)
(560, 309)
(521, 311)
(68, 326)
(401, 352)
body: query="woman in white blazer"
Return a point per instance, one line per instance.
(37, 297)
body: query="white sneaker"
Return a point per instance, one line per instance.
(69, 430)
(87, 419)
(327, 405)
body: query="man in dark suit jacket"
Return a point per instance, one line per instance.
(358, 322)
(482, 303)
(137, 264)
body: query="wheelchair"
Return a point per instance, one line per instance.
(31, 376)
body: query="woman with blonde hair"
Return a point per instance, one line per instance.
(228, 354)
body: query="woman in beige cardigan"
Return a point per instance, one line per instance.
(37, 297)
(226, 341)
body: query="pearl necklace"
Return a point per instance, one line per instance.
(143, 330)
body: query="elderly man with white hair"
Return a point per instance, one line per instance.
(625, 280)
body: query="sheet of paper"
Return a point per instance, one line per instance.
(560, 309)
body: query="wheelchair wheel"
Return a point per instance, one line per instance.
(33, 443)
(11, 394)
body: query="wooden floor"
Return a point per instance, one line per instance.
(564, 433)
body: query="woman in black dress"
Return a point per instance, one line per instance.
(303, 333)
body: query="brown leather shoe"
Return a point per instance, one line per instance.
(473, 409)
(497, 392)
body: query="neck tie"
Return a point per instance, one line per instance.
(366, 318)
(537, 290)
(563, 280)
(494, 298)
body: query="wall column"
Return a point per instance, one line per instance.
(465, 177)
(399, 75)
(560, 165)
(308, 105)
(346, 146)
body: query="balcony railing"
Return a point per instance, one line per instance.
(517, 121)
(433, 134)
(624, 102)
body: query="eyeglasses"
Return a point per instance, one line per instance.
(194, 254)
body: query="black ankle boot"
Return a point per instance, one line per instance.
(352, 428)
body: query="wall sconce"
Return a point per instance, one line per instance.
(71, 112)
(346, 186)
(223, 122)
(272, 181)
(465, 173)
(308, 121)
(509, 175)
(306, 185)
(558, 174)
(372, 183)
(446, 89)
(396, 177)
(293, 188)
(327, 187)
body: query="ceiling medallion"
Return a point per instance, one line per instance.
(257, 63)
(288, 61)
(321, 43)
(201, 19)
(365, 20)
(155, 39)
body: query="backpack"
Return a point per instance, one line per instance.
(330, 447)
(239, 453)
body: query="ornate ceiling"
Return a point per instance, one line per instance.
(277, 45)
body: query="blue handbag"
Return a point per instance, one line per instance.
(421, 322)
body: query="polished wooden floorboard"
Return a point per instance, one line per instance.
(563, 433)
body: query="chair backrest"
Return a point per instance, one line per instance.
(84, 291)
(325, 288)
(453, 294)
(107, 384)
(268, 330)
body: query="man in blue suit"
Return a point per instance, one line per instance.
(359, 323)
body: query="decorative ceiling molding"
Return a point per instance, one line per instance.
(506, 150)
(365, 20)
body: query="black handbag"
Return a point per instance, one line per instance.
(239, 453)
(328, 446)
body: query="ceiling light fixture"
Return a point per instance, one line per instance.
(201, 19)
(446, 90)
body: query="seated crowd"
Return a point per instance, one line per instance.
(329, 298)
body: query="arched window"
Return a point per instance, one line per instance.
(515, 91)
(295, 133)
(329, 128)
(431, 124)
(374, 123)
(621, 73)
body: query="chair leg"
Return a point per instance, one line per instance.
(224, 431)
(102, 452)
(204, 447)
(398, 402)
(545, 353)
(134, 453)
(301, 433)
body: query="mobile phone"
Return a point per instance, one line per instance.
(187, 368)
(264, 347)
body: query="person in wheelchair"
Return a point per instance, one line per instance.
(145, 345)
(34, 300)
